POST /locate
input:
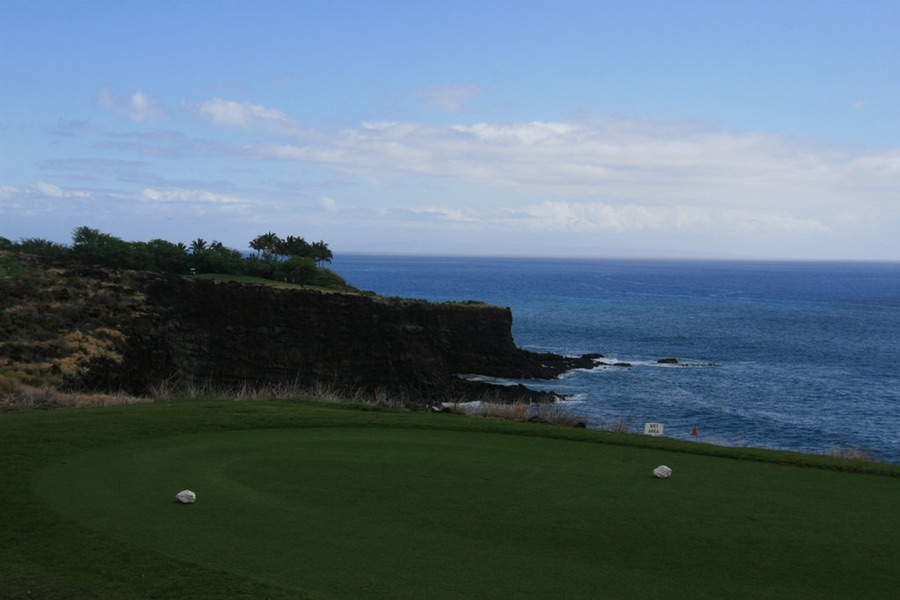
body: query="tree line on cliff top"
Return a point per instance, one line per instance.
(289, 259)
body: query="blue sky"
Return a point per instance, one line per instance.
(696, 129)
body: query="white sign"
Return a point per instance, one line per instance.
(653, 428)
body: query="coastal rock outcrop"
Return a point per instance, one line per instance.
(129, 330)
(232, 332)
(678, 363)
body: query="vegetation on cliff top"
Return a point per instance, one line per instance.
(59, 321)
(291, 259)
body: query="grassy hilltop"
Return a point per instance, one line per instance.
(298, 499)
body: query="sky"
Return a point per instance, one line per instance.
(760, 129)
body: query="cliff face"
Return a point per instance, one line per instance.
(152, 327)
(231, 332)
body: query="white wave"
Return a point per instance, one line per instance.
(579, 398)
(486, 379)
(613, 362)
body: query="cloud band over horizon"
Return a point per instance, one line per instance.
(594, 175)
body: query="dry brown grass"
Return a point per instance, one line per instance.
(58, 327)
(169, 390)
(15, 397)
(619, 425)
(556, 414)
(488, 408)
(852, 454)
(516, 411)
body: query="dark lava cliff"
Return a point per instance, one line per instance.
(101, 329)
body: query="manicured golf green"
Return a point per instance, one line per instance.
(306, 500)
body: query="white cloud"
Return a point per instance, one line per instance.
(48, 189)
(755, 222)
(562, 216)
(188, 195)
(620, 161)
(450, 214)
(450, 98)
(140, 106)
(8, 191)
(599, 216)
(885, 163)
(245, 115)
(42, 198)
(616, 175)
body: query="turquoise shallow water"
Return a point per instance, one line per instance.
(808, 354)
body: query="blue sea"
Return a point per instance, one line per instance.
(806, 354)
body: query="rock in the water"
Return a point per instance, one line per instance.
(662, 472)
(186, 497)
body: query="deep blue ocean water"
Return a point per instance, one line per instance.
(808, 354)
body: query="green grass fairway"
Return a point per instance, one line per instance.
(302, 500)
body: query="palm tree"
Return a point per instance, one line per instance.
(320, 252)
(268, 243)
(198, 246)
(295, 246)
(258, 243)
(272, 242)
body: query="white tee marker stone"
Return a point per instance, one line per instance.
(662, 472)
(186, 497)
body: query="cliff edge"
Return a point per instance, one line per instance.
(102, 329)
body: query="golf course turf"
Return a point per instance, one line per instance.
(297, 499)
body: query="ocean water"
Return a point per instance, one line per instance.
(806, 355)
